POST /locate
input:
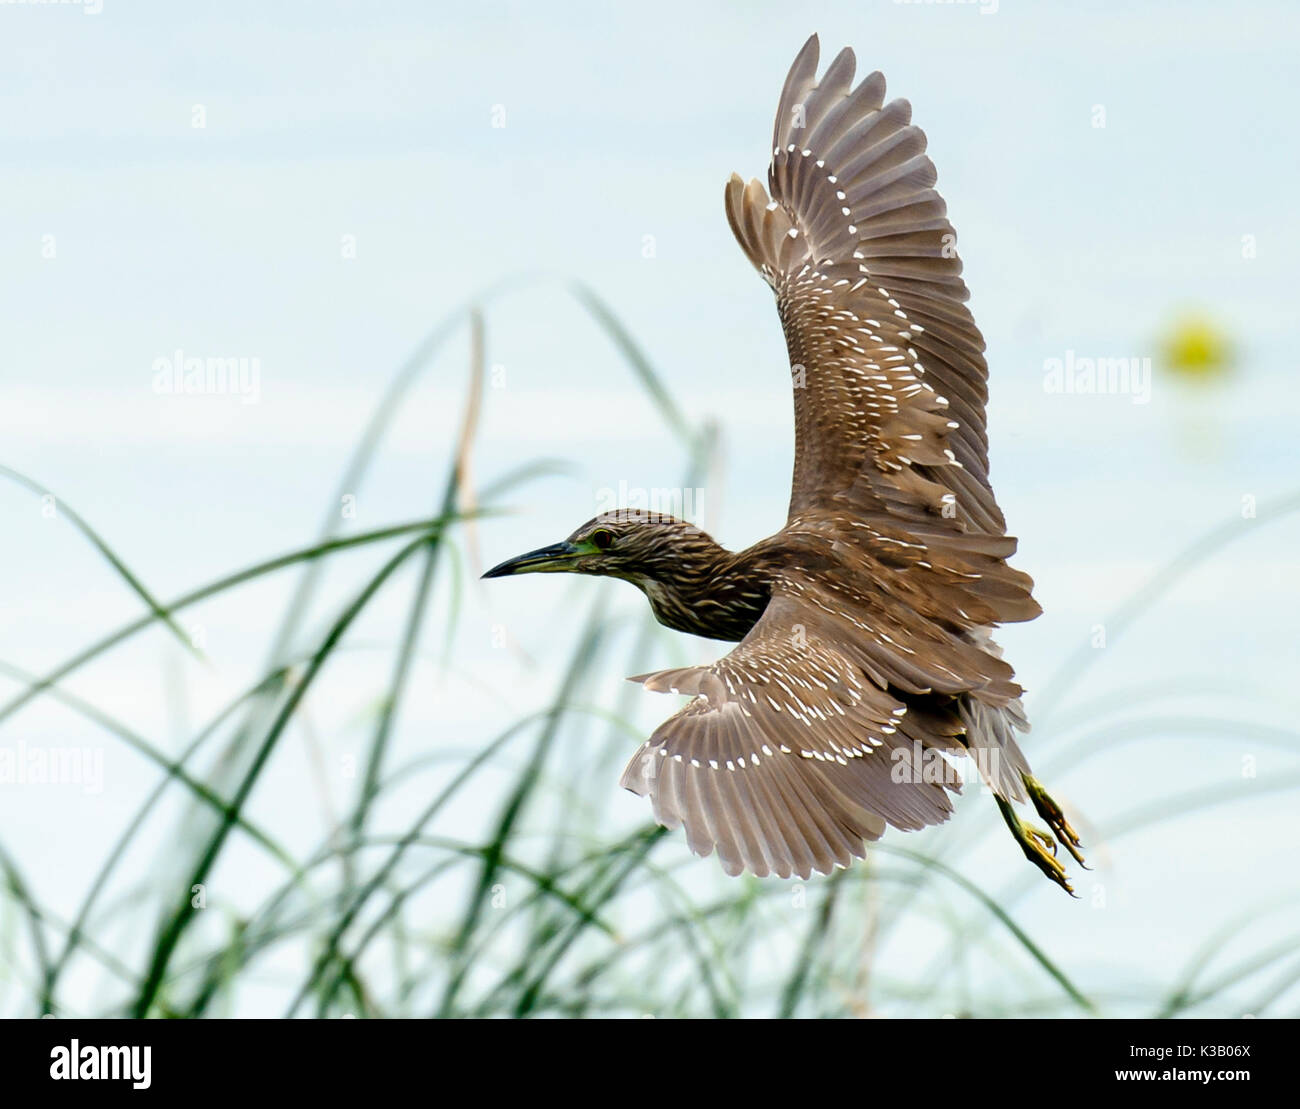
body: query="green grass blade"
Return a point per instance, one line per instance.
(113, 559)
(184, 912)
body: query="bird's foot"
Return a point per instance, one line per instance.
(1038, 846)
(1050, 811)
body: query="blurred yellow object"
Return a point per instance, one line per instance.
(1195, 348)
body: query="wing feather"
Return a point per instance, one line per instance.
(857, 246)
(783, 763)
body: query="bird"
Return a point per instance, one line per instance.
(864, 669)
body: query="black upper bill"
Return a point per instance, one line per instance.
(554, 558)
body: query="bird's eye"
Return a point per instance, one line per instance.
(602, 539)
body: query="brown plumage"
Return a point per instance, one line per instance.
(864, 653)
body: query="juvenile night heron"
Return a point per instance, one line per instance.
(864, 658)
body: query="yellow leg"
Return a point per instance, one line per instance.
(1050, 811)
(1038, 846)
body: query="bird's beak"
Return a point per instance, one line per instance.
(546, 560)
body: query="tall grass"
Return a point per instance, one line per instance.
(546, 912)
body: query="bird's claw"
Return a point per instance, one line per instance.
(1040, 837)
(1051, 812)
(1038, 846)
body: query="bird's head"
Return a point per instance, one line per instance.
(627, 543)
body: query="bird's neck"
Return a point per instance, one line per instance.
(718, 596)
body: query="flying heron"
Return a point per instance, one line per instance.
(864, 658)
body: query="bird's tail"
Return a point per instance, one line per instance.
(990, 739)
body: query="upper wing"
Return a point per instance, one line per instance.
(890, 377)
(788, 758)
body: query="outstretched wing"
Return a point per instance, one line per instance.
(889, 370)
(789, 757)
(800, 745)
